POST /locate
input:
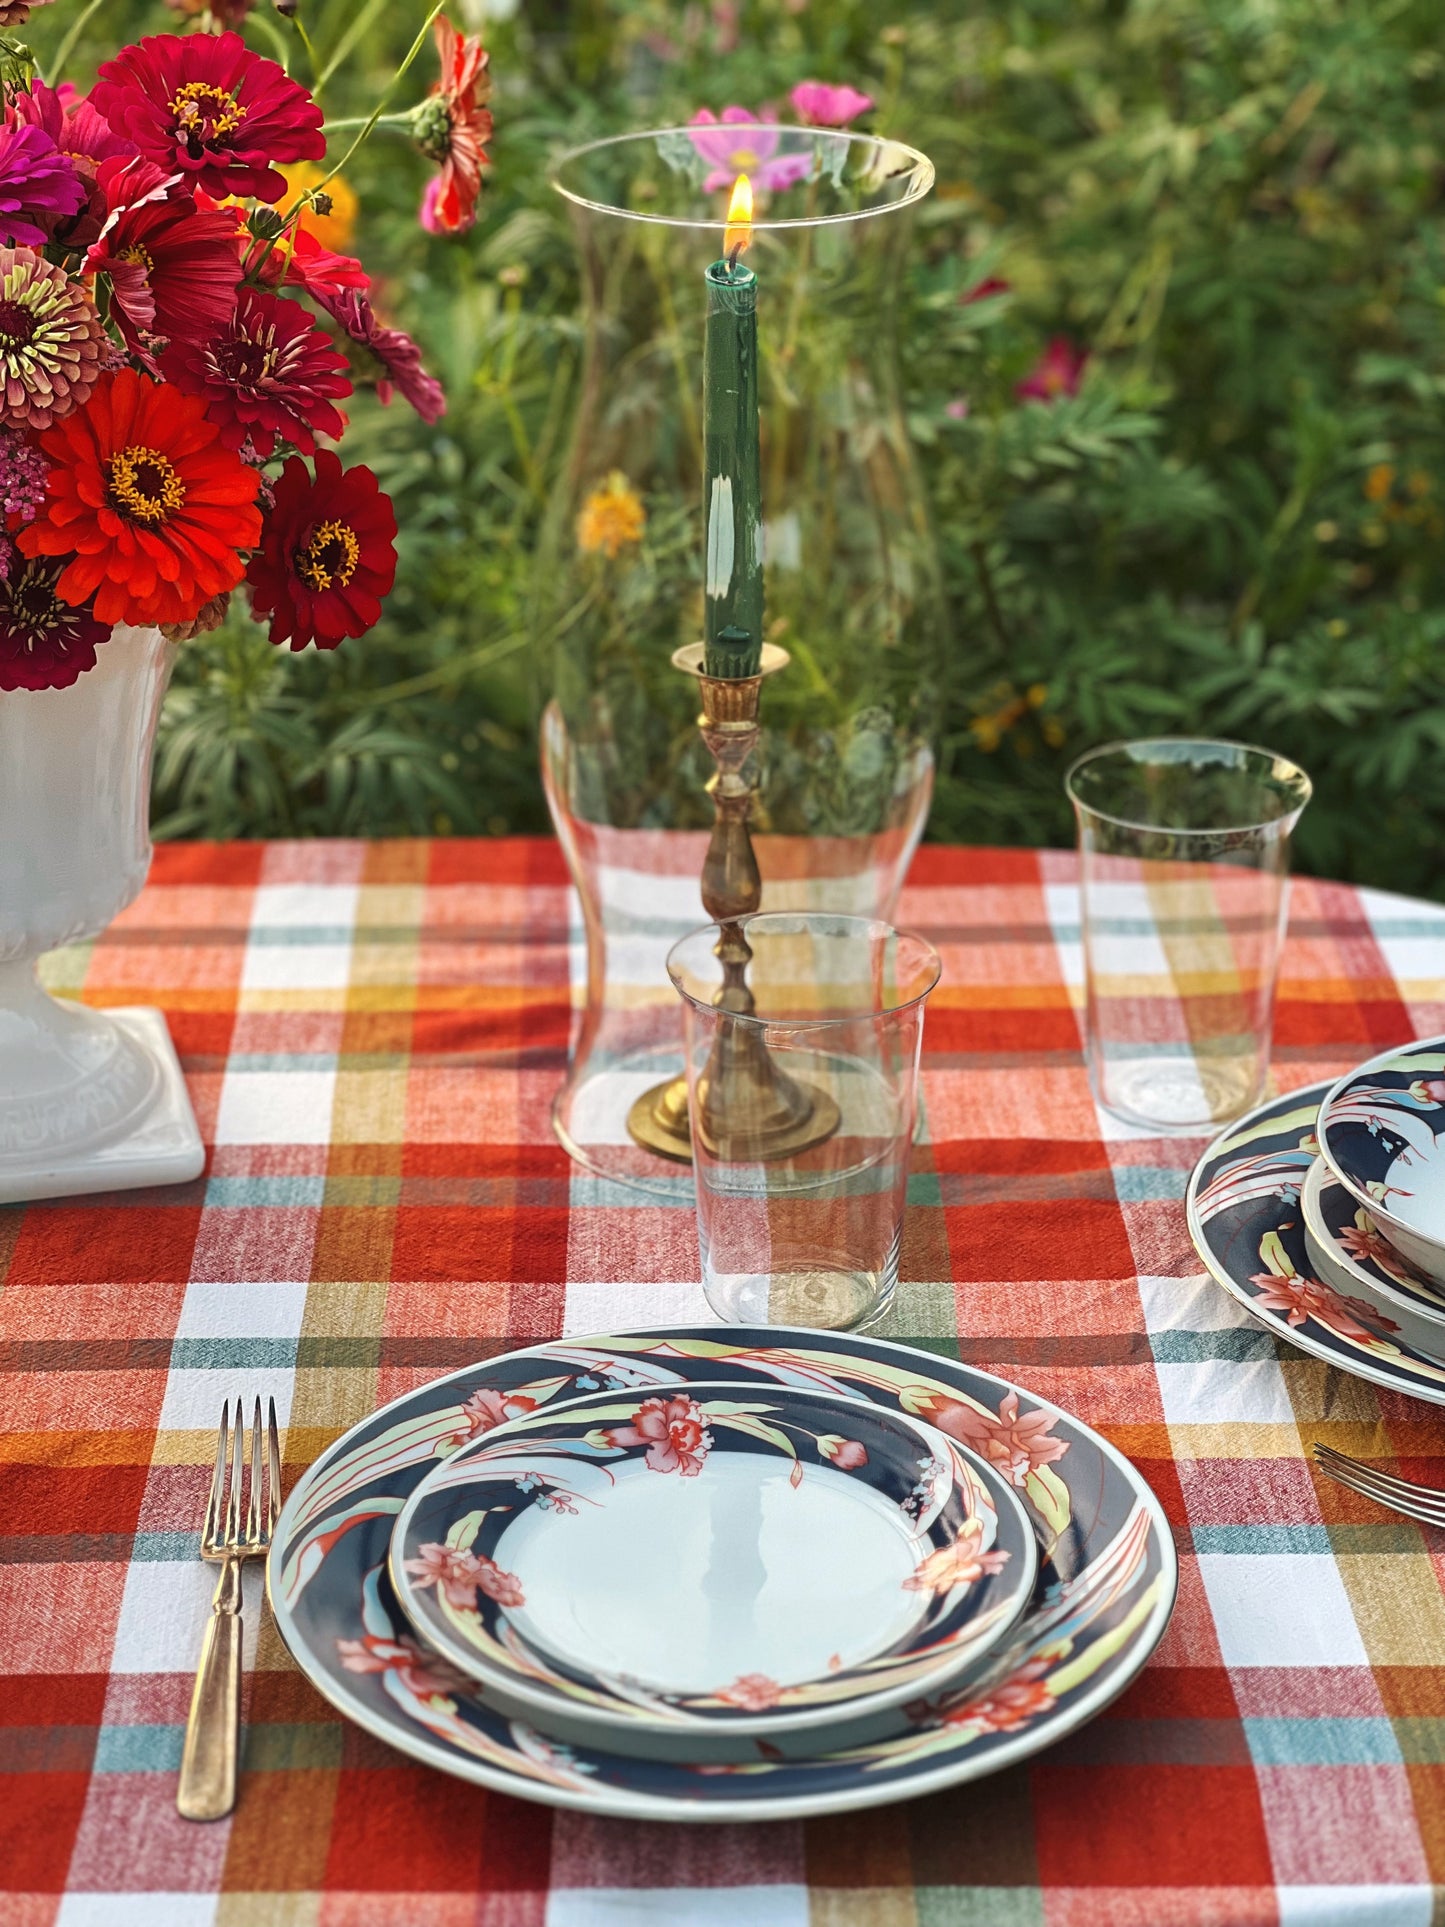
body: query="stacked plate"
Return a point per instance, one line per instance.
(721, 1574)
(1324, 1212)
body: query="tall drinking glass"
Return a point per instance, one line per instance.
(1183, 875)
(809, 1237)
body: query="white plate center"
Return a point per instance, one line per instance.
(688, 1584)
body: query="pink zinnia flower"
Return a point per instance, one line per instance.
(754, 153)
(824, 106)
(674, 1432)
(755, 1692)
(454, 123)
(1014, 1446)
(1303, 1298)
(421, 1672)
(50, 340)
(44, 643)
(173, 266)
(269, 375)
(1058, 371)
(38, 185)
(959, 1564)
(207, 107)
(398, 354)
(85, 139)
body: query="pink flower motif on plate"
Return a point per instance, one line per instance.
(1303, 1298)
(958, 1564)
(755, 1692)
(488, 1408)
(822, 105)
(419, 1671)
(1010, 1705)
(754, 153)
(1428, 1090)
(460, 1576)
(1012, 1445)
(674, 1432)
(1365, 1242)
(846, 1454)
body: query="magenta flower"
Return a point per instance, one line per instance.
(754, 152)
(400, 357)
(23, 470)
(824, 106)
(1058, 371)
(957, 409)
(38, 186)
(85, 140)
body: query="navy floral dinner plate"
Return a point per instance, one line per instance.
(1247, 1223)
(1105, 1588)
(1382, 1134)
(677, 1575)
(1354, 1255)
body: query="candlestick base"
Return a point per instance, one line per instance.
(658, 1121)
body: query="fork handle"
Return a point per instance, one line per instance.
(207, 1789)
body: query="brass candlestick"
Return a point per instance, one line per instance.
(750, 1108)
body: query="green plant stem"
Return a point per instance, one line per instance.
(375, 116)
(363, 20)
(68, 45)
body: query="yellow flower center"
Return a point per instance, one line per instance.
(329, 559)
(205, 113)
(138, 256)
(144, 485)
(743, 160)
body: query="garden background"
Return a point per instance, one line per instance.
(1236, 525)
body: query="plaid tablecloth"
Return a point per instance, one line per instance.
(372, 1035)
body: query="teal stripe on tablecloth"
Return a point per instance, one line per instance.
(1239, 1343)
(244, 1194)
(232, 1354)
(1322, 1742)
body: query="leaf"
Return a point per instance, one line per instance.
(754, 1428)
(795, 1477)
(1049, 1496)
(463, 1531)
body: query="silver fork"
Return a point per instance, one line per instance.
(1423, 1502)
(207, 1789)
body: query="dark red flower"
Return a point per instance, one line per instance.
(207, 106)
(270, 373)
(44, 643)
(173, 267)
(398, 354)
(453, 129)
(1058, 371)
(985, 290)
(85, 139)
(327, 554)
(302, 262)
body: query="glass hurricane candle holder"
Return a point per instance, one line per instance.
(846, 755)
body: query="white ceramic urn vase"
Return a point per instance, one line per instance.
(90, 1100)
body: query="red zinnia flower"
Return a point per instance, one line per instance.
(44, 642)
(150, 505)
(328, 554)
(453, 129)
(302, 262)
(207, 106)
(173, 266)
(268, 373)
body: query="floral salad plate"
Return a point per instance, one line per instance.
(1353, 1254)
(1248, 1225)
(1382, 1133)
(681, 1575)
(1105, 1587)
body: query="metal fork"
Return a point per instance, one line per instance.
(207, 1789)
(1423, 1502)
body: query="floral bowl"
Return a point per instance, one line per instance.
(692, 1574)
(1381, 1132)
(1352, 1254)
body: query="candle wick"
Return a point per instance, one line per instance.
(733, 260)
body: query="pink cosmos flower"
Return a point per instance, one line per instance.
(959, 1564)
(753, 1691)
(846, 1454)
(823, 106)
(460, 1576)
(1014, 1446)
(1303, 1298)
(419, 1671)
(754, 153)
(674, 1432)
(1058, 371)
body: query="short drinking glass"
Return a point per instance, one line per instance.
(807, 1235)
(1183, 874)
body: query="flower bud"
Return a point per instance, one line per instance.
(265, 223)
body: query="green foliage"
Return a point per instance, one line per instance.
(1235, 527)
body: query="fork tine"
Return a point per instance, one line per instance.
(273, 1461)
(238, 1467)
(1412, 1508)
(253, 1510)
(1387, 1481)
(216, 1499)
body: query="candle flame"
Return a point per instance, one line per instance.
(740, 216)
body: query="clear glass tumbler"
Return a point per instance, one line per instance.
(1183, 876)
(808, 1236)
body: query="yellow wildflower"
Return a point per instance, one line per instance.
(1379, 482)
(612, 518)
(332, 230)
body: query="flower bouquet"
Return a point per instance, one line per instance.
(177, 345)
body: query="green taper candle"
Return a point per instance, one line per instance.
(732, 481)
